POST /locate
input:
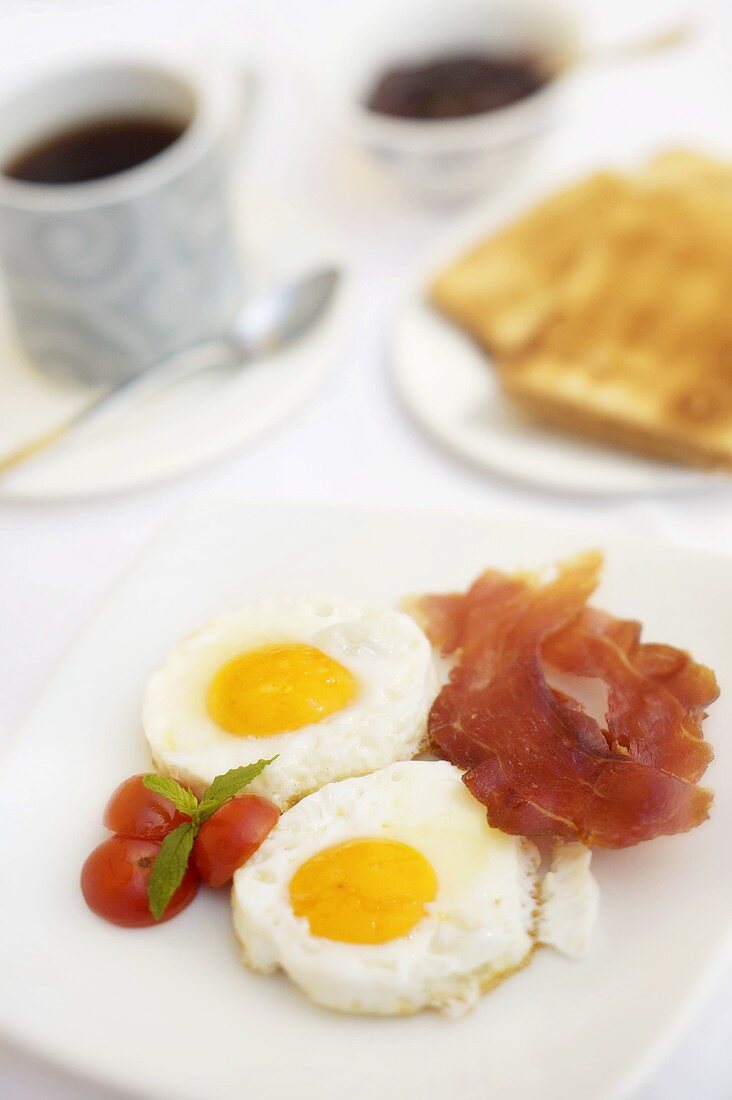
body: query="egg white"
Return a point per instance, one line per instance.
(479, 928)
(384, 649)
(570, 901)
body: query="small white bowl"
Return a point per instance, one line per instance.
(452, 159)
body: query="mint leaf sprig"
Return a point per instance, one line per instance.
(170, 867)
(175, 851)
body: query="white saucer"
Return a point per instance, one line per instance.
(446, 382)
(194, 423)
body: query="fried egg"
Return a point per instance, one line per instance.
(391, 893)
(332, 689)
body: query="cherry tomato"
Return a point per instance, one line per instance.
(134, 811)
(114, 882)
(231, 835)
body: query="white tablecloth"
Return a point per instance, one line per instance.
(353, 443)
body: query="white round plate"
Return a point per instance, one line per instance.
(445, 380)
(195, 422)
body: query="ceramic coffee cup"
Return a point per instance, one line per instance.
(106, 276)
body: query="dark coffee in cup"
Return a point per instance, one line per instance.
(118, 243)
(94, 149)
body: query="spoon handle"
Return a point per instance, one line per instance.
(28, 450)
(152, 381)
(638, 48)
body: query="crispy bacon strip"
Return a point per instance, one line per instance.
(643, 717)
(694, 685)
(538, 762)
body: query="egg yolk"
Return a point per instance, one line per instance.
(278, 688)
(363, 891)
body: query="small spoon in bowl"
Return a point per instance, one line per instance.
(634, 49)
(266, 324)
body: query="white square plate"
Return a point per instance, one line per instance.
(171, 1012)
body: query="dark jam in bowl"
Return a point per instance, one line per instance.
(456, 87)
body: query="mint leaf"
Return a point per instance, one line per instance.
(183, 800)
(169, 867)
(227, 785)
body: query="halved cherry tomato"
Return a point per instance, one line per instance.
(231, 835)
(134, 811)
(114, 882)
